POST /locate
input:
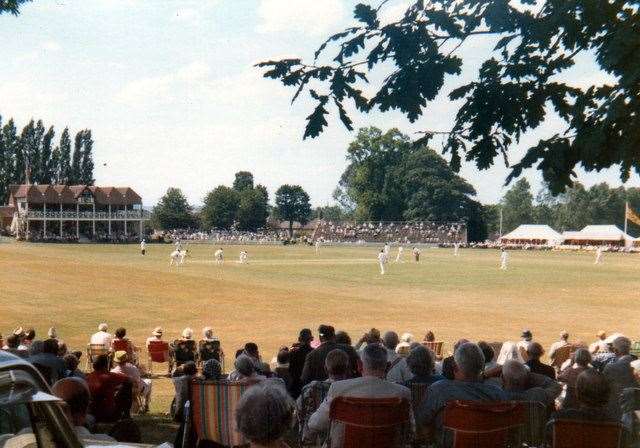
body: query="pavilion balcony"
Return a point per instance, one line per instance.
(89, 215)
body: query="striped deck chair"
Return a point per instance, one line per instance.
(309, 401)
(435, 347)
(479, 424)
(93, 351)
(213, 408)
(586, 434)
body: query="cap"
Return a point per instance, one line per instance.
(157, 331)
(120, 356)
(103, 327)
(526, 334)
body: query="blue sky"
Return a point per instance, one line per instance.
(169, 90)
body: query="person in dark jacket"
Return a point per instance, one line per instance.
(297, 356)
(534, 353)
(314, 365)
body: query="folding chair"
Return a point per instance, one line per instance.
(479, 424)
(418, 395)
(371, 422)
(93, 351)
(158, 351)
(184, 351)
(315, 395)
(586, 434)
(561, 355)
(435, 347)
(536, 416)
(210, 350)
(213, 410)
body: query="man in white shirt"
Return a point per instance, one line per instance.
(102, 337)
(416, 255)
(143, 247)
(140, 386)
(317, 246)
(456, 248)
(600, 345)
(598, 256)
(400, 254)
(382, 260)
(156, 335)
(564, 340)
(527, 339)
(243, 257)
(219, 256)
(387, 248)
(504, 259)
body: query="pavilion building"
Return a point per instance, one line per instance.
(80, 211)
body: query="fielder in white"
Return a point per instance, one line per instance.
(599, 256)
(387, 248)
(177, 256)
(219, 256)
(456, 248)
(243, 257)
(382, 260)
(143, 247)
(178, 245)
(416, 255)
(399, 256)
(504, 259)
(317, 246)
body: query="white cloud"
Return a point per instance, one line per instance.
(301, 16)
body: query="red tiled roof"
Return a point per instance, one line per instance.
(67, 194)
(7, 211)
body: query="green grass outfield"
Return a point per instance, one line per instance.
(285, 288)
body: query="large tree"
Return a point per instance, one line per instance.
(63, 172)
(11, 6)
(46, 166)
(253, 209)
(243, 181)
(517, 206)
(86, 167)
(173, 211)
(75, 175)
(292, 204)
(515, 90)
(220, 208)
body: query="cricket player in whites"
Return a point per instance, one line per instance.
(599, 255)
(243, 257)
(456, 249)
(143, 247)
(399, 256)
(219, 256)
(177, 257)
(504, 259)
(318, 243)
(387, 248)
(382, 260)
(416, 255)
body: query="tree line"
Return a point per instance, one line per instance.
(33, 155)
(243, 206)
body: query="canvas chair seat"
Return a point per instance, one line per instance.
(93, 351)
(158, 352)
(435, 347)
(481, 424)
(586, 434)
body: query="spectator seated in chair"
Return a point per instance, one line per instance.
(102, 337)
(564, 341)
(534, 353)
(370, 385)
(599, 346)
(49, 362)
(489, 354)
(209, 346)
(314, 393)
(141, 387)
(212, 370)
(245, 371)
(315, 361)
(466, 385)
(182, 385)
(27, 340)
(111, 393)
(569, 376)
(390, 341)
(619, 373)
(297, 356)
(156, 335)
(71, 363)
(522, 385)
(185, 349)
(282, 366)
(264, 414)
(421, 363)
(121, 342)
(75, 393)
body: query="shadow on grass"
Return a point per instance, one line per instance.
(156, 428)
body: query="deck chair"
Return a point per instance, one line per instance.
(586, 434)
(93, 351)
(435, 347)
(532, 432)
(210, 350)
(561, 355)
(184, 351)
(371, 422)
(418, 396)
(158, 351)
(213, 409)
(635, 349)
(478, 424)
(315, 393)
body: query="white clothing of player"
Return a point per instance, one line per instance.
(400, 254)
(317, 246)
(382, 260)
(598, 256)
(386, 249)
(178, 245)
(243, 257)
(219, 256)
(177, 256)
(504, 259)
(143, 247)
(456, 248)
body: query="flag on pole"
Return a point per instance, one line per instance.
(632, 216)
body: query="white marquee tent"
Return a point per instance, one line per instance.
(598, 234)
(533, 234)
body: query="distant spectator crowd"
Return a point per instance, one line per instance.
(394, 232)
(312, 392)
(263, 236)
(53, 236)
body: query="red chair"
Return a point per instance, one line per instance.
(482, 424)
(586, 434)
(372, 422)
(158, 351)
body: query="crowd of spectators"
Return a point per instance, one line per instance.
(52, 236)
(263, 236)
(418, 232)
(290, 397)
